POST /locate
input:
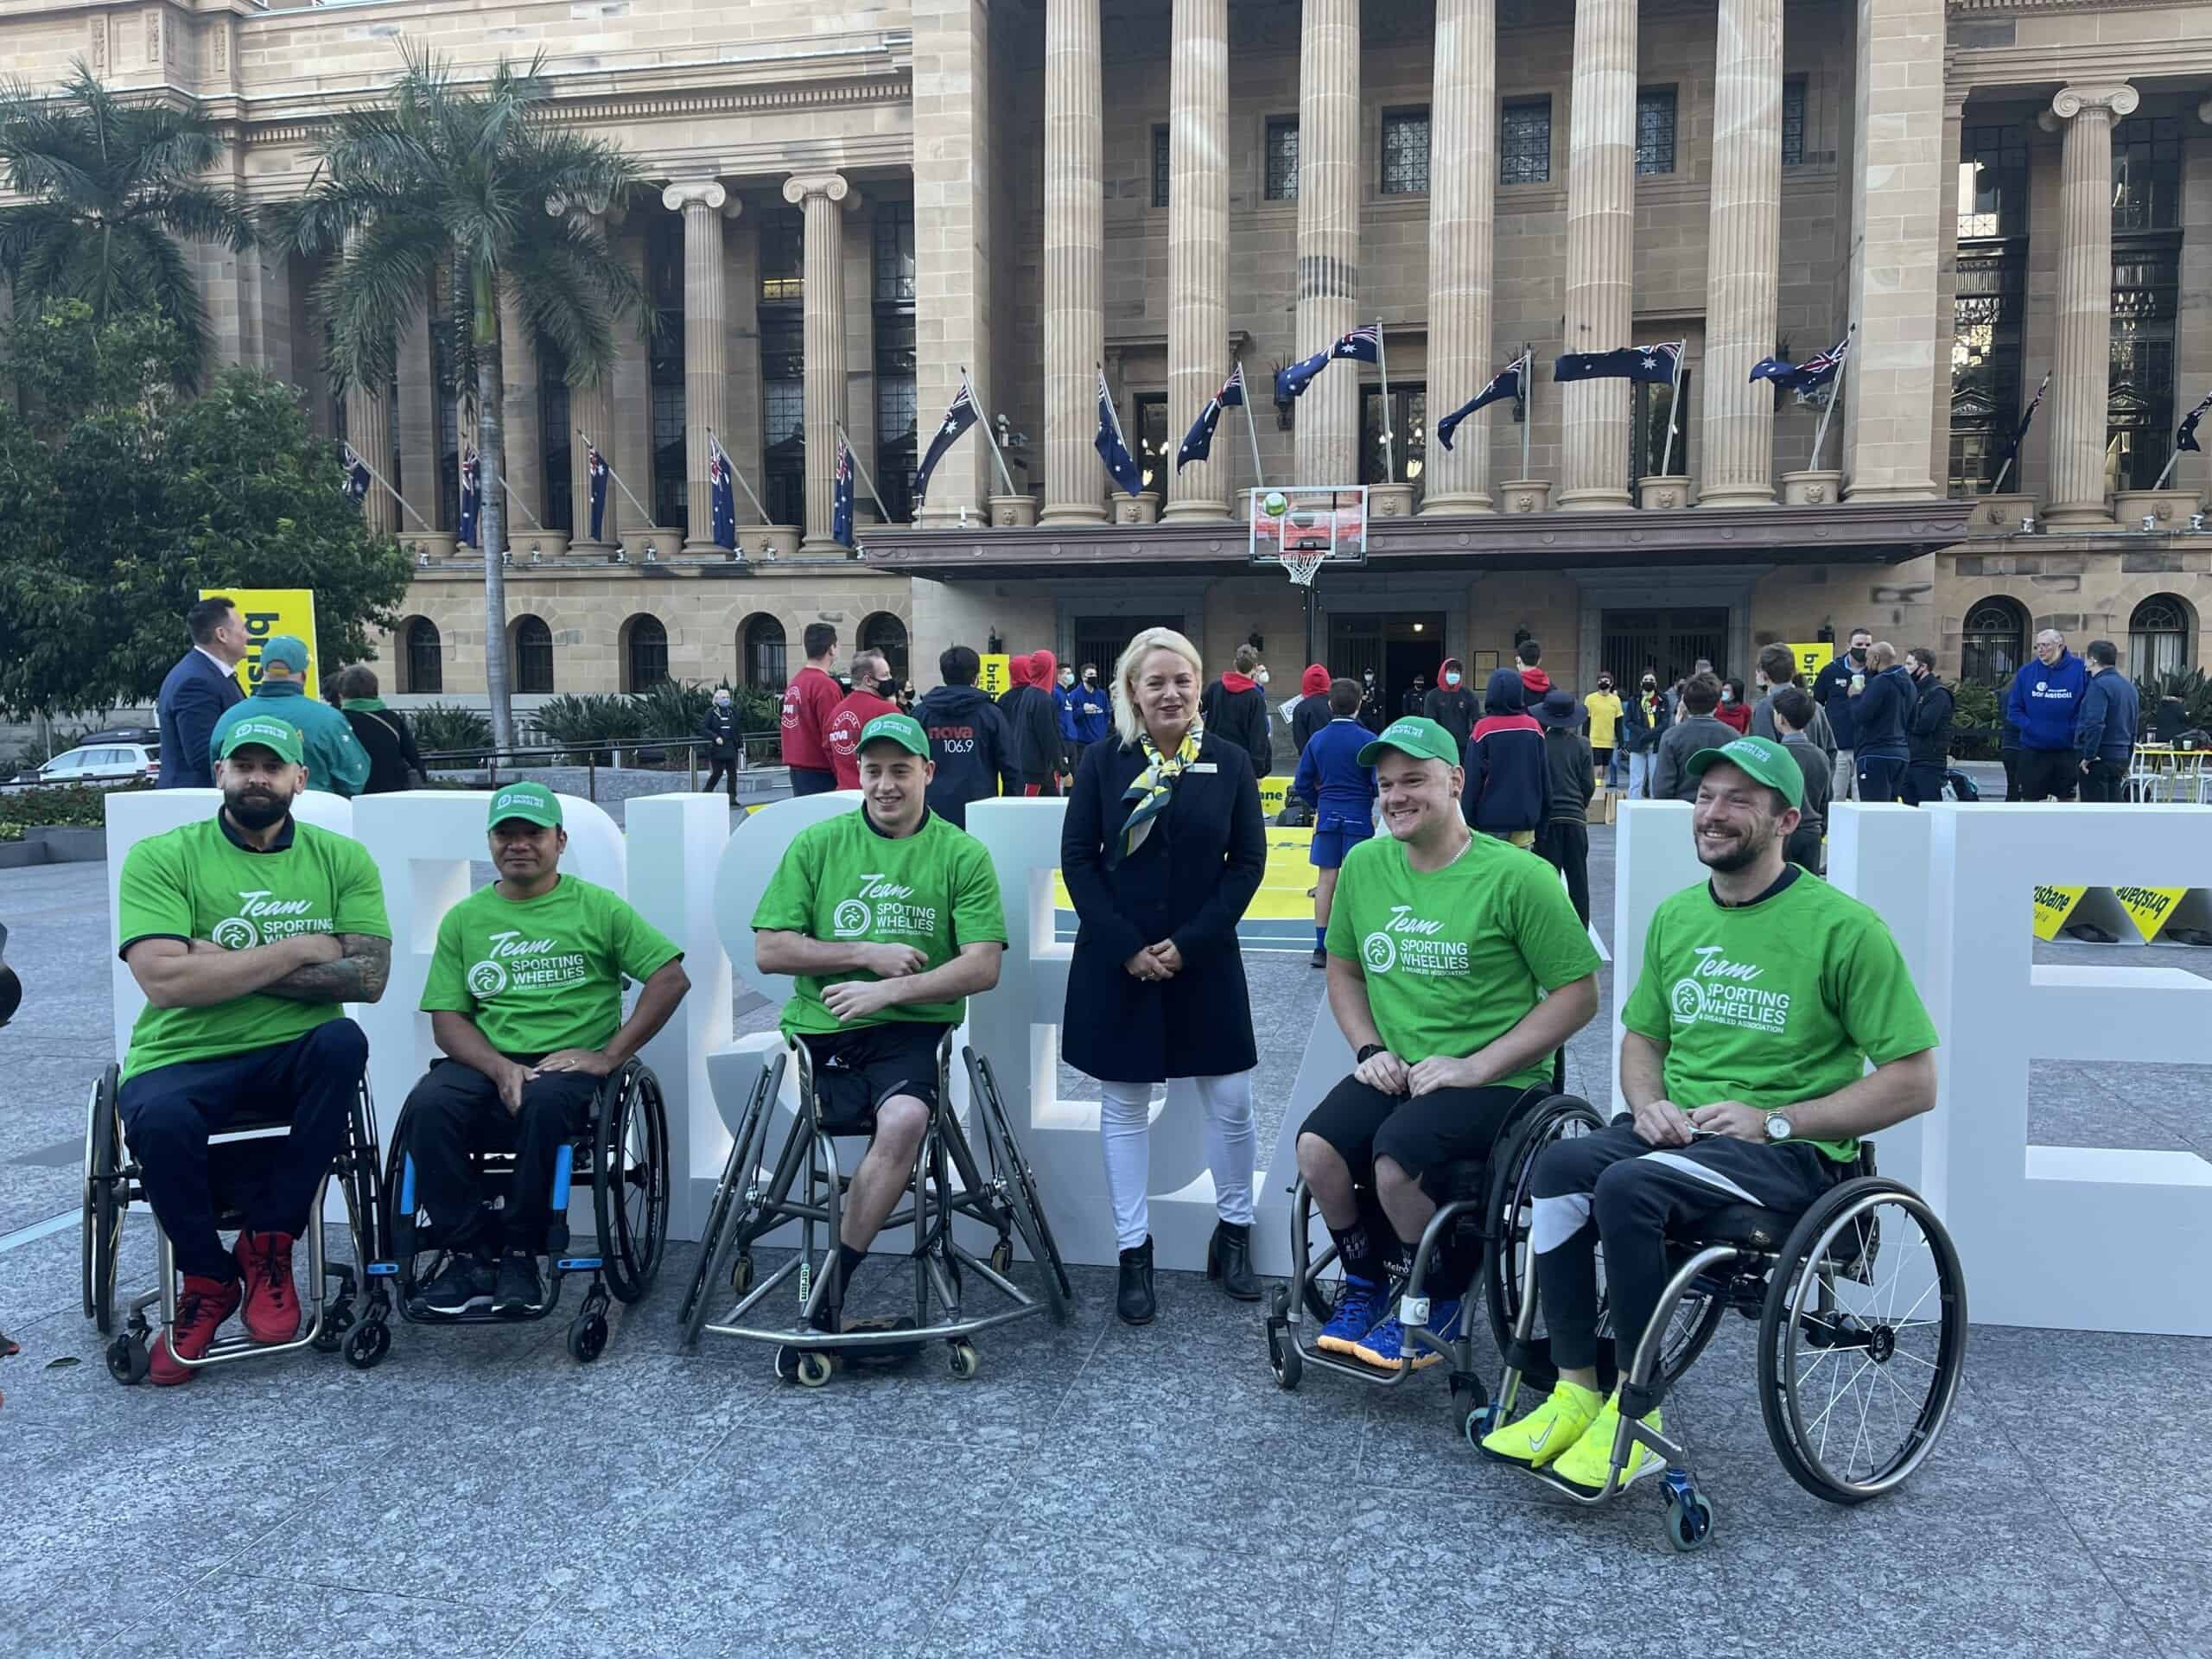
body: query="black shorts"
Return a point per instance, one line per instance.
(1420, 1134)
(855, 1071)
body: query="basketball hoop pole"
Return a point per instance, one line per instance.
(1259, 478)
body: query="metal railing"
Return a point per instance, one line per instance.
(760, 751)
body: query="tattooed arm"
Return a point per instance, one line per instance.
(359, 976)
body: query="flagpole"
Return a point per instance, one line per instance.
(730, 461)
(1835, 395)
(524, 504)
(1244, 384)
(864, 472)
(1383, 373)
(2019, 436)
(389, 491)
(2172, 461)
(983, 420)
(1115, 416)
(644, 514)
(1528, 401)
(1674, 408)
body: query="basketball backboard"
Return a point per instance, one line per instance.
(1330, 522)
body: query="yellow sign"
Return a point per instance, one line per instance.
(2149, 908)
(1812, 658)
(267, 610)
(1283, 895)
(993, 680)
(1274, 795)
(2053, 906)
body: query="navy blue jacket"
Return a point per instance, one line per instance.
(2045, 704)
(1330, 776)
(1086, 716)
(972, 748)
(2110, 714)
(1508, 779)
(194, 697)
(1832, 691)
(1878, 713)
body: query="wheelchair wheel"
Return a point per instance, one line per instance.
(1862, 1340)
(394, 1231)
(105, 1202)
(1512, 1171)
(737, 1205)
(630, 1184)
(1011, 1169)
(1690, 1327)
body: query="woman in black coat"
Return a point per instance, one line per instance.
(1162, 850)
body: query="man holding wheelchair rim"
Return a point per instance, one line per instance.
(1764, 995)
(1457, 970)
(889, 919)
(524, 995)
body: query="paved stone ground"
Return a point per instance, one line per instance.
(1096, 1490)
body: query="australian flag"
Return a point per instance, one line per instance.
(2186, 438)
(472, 498)
(2020, 432)
(959, 416)
(1197, 443)
(356, 475)
(1506, 382)
(1815, 372)
(1655, 364)
(1362, 345)
(595, 474)
(722, 491)
(841, 498)
(1109, 445)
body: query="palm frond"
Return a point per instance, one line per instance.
(203, 215)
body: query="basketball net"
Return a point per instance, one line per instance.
(1305, 564)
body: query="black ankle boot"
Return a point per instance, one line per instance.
(1134, 1301)
(1229, 1258)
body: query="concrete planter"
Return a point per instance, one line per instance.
(1013, 511)
(661, 543)
(2166, 509)
(1525, 495)
(1136, 509)
(767, 541)
(1822, 488)
(2000, 515)
(540, 544)
(1662, 493)
(435, 543)
(1389, 501)
(69, 844)
(15, 855)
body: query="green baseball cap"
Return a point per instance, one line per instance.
(1756, 757)
(903, 729)
(1423, 739)
(280, 737)
(531, 803)
(287, 649)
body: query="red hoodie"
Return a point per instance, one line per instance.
(1316, 681)
(1536, 680)
(1232, 680)
(809, 701)
(1044, 670)
(842, 734)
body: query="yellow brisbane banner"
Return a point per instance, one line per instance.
(2053, 906)
(992, 678)
(2149, 908)
(267, 610)
(1812, 658)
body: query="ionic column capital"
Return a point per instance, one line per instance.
(2117, 96)
(700, 193)
(835, 186)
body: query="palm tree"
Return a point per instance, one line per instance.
(477, 185)
(111, 184)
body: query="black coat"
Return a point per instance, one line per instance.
(1927, 727)
(1311, 715)
(1034, 725)
(387, 763)
(1191, 882)
(1241, 717)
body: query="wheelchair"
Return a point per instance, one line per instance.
(1861, 1307)
(113, 1189)
(621, 1153)
(948, 1183)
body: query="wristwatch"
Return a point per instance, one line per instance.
(1777, 1126)
(1368, 1052)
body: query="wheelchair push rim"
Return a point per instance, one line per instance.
(1862, 1341)
(1513, 1171)
(630, 1195)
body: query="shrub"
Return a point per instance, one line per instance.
(1977, 728)
(443, 728)
(64, 806)
(2194, 689)
(585, 726)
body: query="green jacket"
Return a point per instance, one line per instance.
(335, 759)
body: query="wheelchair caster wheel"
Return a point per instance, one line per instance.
(966, 1362)
(368, 1344)
(1689, 1522)
(1002, 1256)
(814, 1370)
(588, 1338)
(740, 1275)
(1284, 1357)
(128, 1361)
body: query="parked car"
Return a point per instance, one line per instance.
(99, 765)
(150, 736)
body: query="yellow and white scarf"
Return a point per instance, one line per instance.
(1151, 790)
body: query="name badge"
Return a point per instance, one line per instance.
(1202, 766)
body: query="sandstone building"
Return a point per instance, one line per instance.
(855, 202)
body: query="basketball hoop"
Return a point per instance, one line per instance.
(1303, 564)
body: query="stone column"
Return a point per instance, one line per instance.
(525, 441)
(1198, 246)
(1462, 186)
(2080, 368)
(1600, 250)
(1075, 237)
(954, 247)
(1947, 285)
(704, 204)
(824, 198)
(591, 410)
(1896, 372)
(1744, 255)
(1327, 431)
(368, 429)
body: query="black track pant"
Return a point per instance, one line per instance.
(456, 1109)
(1564, 843)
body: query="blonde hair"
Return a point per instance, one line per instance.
(1126, 721)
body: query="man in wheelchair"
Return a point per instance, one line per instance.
(1457, 969)
(245, 931)
(887, 918)
(1764, 993)
(524, 996)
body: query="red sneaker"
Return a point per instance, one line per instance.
(201, 1306)
(272, 1306)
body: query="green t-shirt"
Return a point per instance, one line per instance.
(1455, 957)
(842, 879)
(1774, 1002)
(195, 883)
(539, 973)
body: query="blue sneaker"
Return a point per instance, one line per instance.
(1357, 1304)
(1385, 1345)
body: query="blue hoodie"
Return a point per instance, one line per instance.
(1330, 777)
(2045, 704)
(2110, 714)
(1085, 714)
(1509, 780)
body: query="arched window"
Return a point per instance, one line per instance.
(1994, 642)
(530, 661)
(882, 630)
(2161, 638)
(763, 640)
(645, 653)
(425, 662)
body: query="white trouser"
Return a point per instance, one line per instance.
(1639, 771)
(1125, 1131)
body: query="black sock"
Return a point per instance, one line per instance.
(848, 1263)
(1356, 1252)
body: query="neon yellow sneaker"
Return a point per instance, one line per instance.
(1586, 1464)
(1546, 1433)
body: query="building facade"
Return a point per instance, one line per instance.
(854, 206)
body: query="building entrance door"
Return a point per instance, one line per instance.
(1671, 641)
(1101, 639)
(1395, 646)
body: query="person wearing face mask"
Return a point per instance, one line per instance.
(1835, 688)
(1928, 729)
(1644, 719)
(1415, 697)
(1451, 705)
(1604, 708)
(247, 931)
(724, 758)
(840, 733)
(1094, 715)
(1236, 708)
(1733, 711)
(1064, 714)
